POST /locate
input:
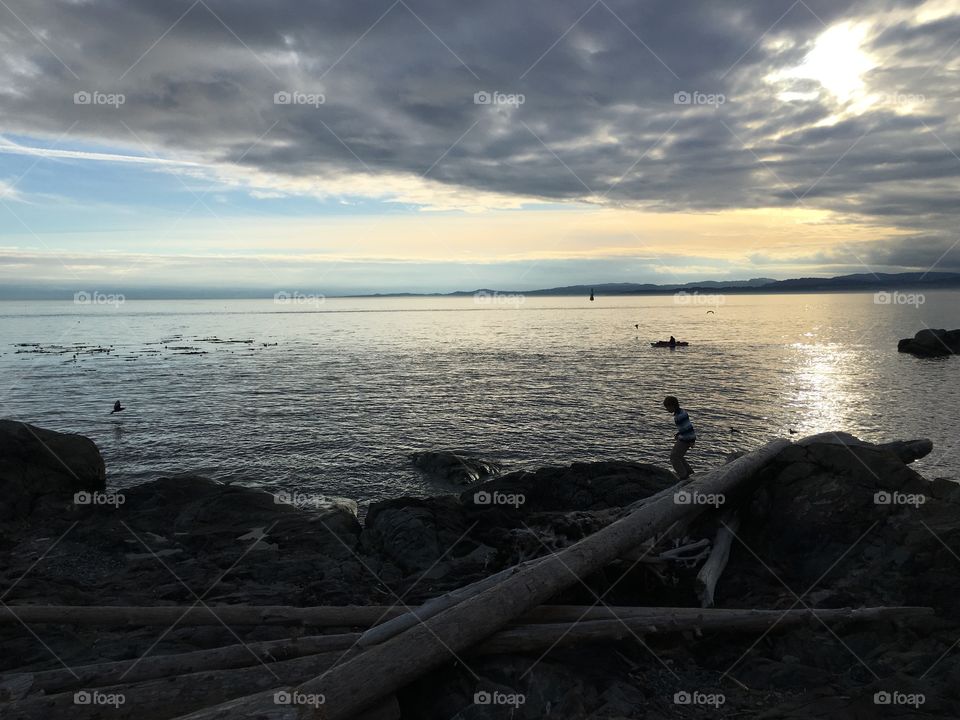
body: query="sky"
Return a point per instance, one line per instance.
(427, 146)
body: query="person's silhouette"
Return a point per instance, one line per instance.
(117, 407)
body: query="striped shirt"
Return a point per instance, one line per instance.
(685, 429)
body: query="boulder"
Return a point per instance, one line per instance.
(415, 533)
(40, 466)
(580, 486)
(454, 467)
(854, 523)
(499, 521)
(932, 343)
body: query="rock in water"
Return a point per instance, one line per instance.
(454, 467)
(42, 465)
(932, 343)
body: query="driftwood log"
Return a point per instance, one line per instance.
(536, 638)
(165, 697)
(651, 619)
(706, 582)
(110, 616)
(159, 666)
(397, 625)
(382, 669)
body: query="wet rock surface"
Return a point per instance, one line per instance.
(454, 467)
(833, 522)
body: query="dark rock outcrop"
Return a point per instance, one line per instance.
(417, 533)
(454, 467)
(39, 466)
(580, 486)
(508, 518)
(932, 343)
(909, 450)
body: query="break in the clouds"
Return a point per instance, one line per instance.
(126, 124)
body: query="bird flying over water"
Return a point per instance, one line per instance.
(117, 407)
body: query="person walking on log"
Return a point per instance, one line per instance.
(685, 437)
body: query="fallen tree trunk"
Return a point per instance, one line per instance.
(526, 638)
(109, 616)
(382, 633)
(271, 651)
(158, 666)
(654, 619)
(160, 698)
(383, 669)
(246, 654)
(706, 582)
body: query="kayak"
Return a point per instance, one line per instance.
(666, 343)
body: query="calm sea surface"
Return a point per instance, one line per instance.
(329, 397)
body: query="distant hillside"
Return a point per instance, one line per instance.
(842, 283)
(862, 282)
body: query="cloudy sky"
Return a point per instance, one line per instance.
(424, 145)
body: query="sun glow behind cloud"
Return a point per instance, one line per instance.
(837, 62)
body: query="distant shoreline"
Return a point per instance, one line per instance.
(863, 282)
(134, 296)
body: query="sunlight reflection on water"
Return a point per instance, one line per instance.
(331, 397)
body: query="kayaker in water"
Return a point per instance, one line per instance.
(673, 341)
(685, 437)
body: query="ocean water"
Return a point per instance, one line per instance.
(329, 396)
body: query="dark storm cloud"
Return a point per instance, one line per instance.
(599, 121)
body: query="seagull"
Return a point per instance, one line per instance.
(117, 407)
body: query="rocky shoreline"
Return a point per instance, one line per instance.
(831, 522)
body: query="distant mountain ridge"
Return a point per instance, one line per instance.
(840, 283)
(862, 282)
